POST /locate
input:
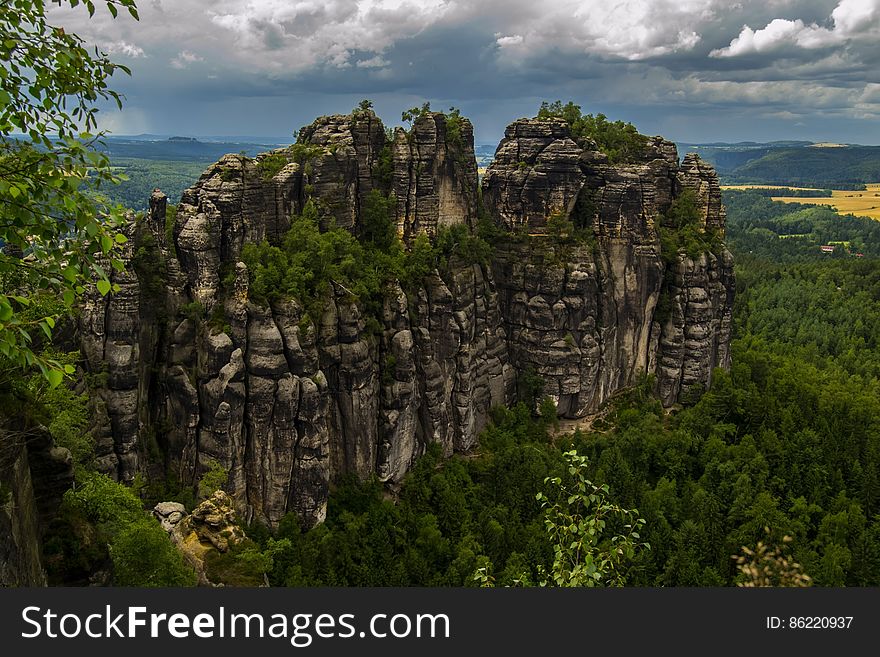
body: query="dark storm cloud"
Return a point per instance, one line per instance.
(770, 68)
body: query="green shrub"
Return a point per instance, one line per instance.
(150, 267)
(617, 139)
(242, 565)
(681, 229)
(170, 219)
(214, 479)
(143, 556)
(270, 165)
(193, 311)
(303, 153)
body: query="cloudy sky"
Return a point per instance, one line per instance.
(692, 70)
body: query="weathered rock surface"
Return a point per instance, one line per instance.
(34, 474)
(212, 525)
(288, 403)
(435, 175)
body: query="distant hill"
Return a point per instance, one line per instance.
(798, 164)
(181, 149)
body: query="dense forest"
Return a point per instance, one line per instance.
(796, 164)
(776, 464)
(787, 441)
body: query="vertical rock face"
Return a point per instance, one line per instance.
(110, 329)
(340, 167)
(536, 173)
(435, 175)
(197, 372)
(34, 474)
(585, 318)
(702, 180)
(20, 546)
(695, 338)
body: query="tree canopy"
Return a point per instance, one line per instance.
(57, 234)
(619, 140)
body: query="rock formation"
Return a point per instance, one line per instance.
(198, 372)
(34, 473)
(212, 526)
(435, 174)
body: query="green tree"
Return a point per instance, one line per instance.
(578, 517)
(410, 115)
(54, 228)
(619, 140)
(214, 479)
(143, 556)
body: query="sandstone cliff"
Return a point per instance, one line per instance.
(34, 473)
(197, 371)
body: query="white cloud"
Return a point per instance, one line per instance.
(508, 41)
(124, 48)
(373, 62)
(185, 58)
(282, 35)
(851, 20)
(627, 29)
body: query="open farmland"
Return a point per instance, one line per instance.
(860, 203)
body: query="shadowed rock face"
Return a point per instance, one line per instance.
(435, 175)
(287, 405)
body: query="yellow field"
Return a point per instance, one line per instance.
(862, 204)
(764, 187)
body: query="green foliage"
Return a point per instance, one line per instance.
(385, 166)
(303, 153)
(530, 387)
(547, 412)
(791, 193)
(143, 556)
(170, 220)
(244, 564)
(50, 211)
(617, 139)
(681, 230)
(308, 261)
(834, 168)
(378, 229)
(459, 242)
(103, 501)
(452, 516)
(142, 175)
(410, 115)
(453, 128)
(270, 165)
(151, 268)
(193, 311)
(228, 174)
(559, 226)
(101, 519)
(214, 479)
(564, 230)
(69, 420)
(578, 516)
(774, 231)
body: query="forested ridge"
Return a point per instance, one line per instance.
(788, 440)
(782, 451)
